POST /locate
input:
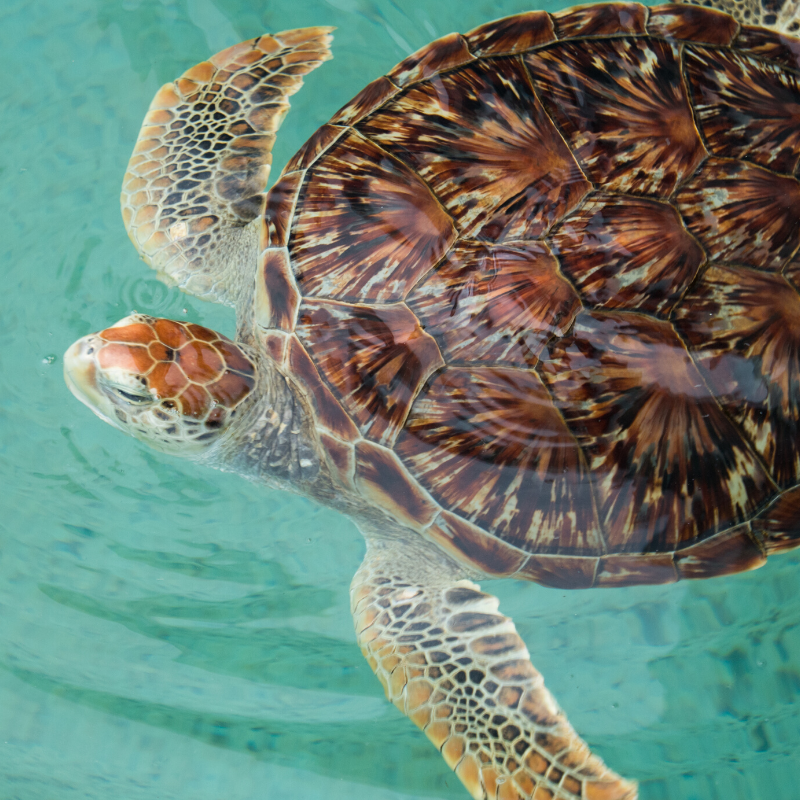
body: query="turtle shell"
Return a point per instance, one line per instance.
(540, 284)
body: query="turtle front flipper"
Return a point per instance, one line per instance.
(200, 166)
(454, 665)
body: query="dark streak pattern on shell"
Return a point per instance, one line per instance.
(563, 294)
(495, 303)
(623, 108)
(488, 443)
(746, 108)
(481, 140)
(669, 467)
(627, 252)
(744, 328)
(742, 213)
(366, 227)
(376, 359)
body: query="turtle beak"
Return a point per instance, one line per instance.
(80, 374)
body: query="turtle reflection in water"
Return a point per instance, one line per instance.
(526, 307)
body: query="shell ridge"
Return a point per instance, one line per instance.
(425, 379)
(546, 111)
(409, 167)
(691, 102)
(265, 236)
(744, 151)
(788, 261)
(563, 275)
(433, 268)
(601, 528)
(776, 490)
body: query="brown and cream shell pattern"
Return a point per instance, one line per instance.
(540, 283)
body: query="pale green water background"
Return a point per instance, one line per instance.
(169, 632)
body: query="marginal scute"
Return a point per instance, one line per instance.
(471, 545)
(729, 205)
(366, 227)
(511, 35)
(449, 52)
(601, 19)
(276, 296)
(778, 525)
(743, 327)
(279, 209)
(622, 106)
(375, 357)
(667, 465)
(746, 108)
(633, 570)
(502, 171)
(329, 413)
(495, 303)
(320, 141)
(627, 252)
(381, 478)
(573, 572)
(489, 445)
(341, 460)
(734, 550)
(692, 24)
(372, 96)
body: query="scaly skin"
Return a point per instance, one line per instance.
(458, 669)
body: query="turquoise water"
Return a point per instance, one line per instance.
(169, 632)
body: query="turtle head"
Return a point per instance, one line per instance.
(175, 385)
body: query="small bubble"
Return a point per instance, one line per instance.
(51, 359)
(184, 311)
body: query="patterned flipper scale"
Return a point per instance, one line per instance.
(459, 670)
(200, 166)
(542, 280)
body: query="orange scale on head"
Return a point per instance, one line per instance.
(204, 334)
(160, 352)
(125, 356)
(195, 401)
(200, 361)
(138, 333)
(167, 380)
(172, 334)
(230, 389)
(234, 358)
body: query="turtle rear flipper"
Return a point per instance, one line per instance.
(200, 166)
(459, 670)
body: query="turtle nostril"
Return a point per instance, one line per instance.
(88, 346)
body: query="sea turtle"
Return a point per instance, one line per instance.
(527, 306)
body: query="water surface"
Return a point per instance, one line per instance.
(170, 632)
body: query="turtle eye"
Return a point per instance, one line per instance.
(131, 397)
